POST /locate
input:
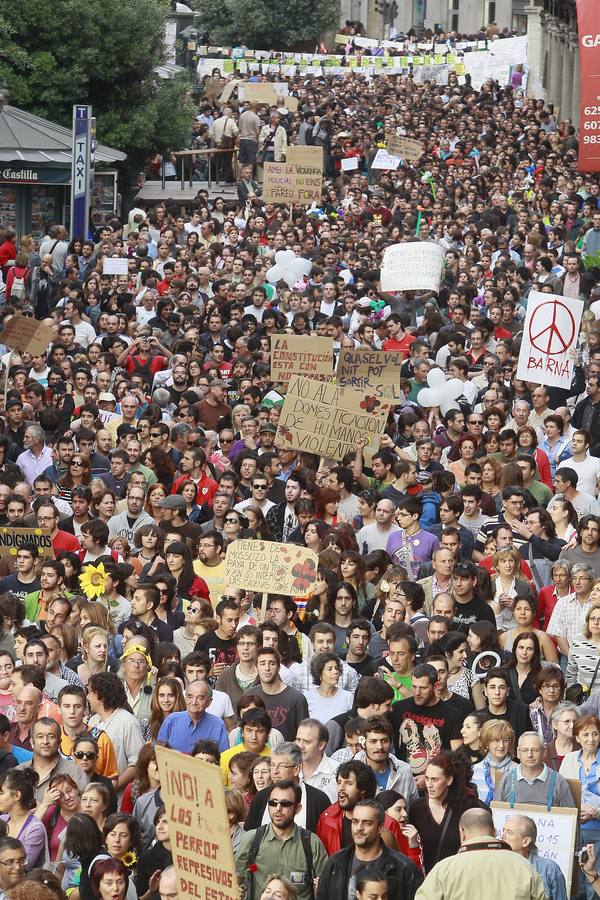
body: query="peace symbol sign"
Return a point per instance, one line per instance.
(552, 328)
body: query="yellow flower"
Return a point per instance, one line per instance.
(129, 859)
(93, 580)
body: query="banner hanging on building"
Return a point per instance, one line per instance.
(588, 26)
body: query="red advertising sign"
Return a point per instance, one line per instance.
(588, 26)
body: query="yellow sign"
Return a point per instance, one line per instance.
(13, 538)
(301, 355)
(194, 799)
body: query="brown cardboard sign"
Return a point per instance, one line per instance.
(27, 335)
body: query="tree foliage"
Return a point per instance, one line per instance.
(102, 53)
(266, 24)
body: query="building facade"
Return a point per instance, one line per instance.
(553, 55)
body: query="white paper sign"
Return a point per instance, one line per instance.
(350, 164)
(416, 266)
(115, 266)
(384, 160)
(556, 831)
(549, 334)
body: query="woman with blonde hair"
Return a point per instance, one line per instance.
(497, 742)
(507, 584)
(240, 411)
(94, 652)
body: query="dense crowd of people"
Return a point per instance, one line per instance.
(449, 651)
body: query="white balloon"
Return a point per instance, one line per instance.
(436, 378)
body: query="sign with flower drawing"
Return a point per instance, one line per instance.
(270, 567)
(12, 538)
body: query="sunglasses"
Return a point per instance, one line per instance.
(76, 462)
(232, 521)
(226, 441)
(285, 804)
(85, 754)
(155, 434)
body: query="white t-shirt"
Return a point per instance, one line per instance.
(325, 708)
(588, 473)
(220, 705)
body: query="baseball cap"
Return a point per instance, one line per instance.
(106, 397)
(174, 501)
(14, 402)
(268, 426)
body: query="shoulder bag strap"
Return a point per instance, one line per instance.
(307, 847)
(445, 826)
(551, 788)
(594, 675)
(258, 838)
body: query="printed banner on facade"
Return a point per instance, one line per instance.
(416, 266)
(376, 372)
(328, 420)
(588, 28)
(13, 538)
(549, 334)
(301, 355)
(270, 567)
(194, 799)
(27, 335)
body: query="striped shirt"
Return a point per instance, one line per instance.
(584, 659)
(568, 617)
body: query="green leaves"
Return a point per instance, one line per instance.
(266, 24)
(101, 53)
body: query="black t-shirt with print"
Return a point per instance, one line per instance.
(420, 732)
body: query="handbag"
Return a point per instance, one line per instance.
(260, 156)
(578, 693)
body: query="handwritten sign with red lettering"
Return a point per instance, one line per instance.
(549, 335)
(194, 799)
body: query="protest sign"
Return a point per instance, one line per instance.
(550, 334)
(385, 160)
(294, 355)
(115, 265)
(291, 103)
(287, 183)
(228, 91)
(270, 567)
(556, 830)
(415, 266)
(325, 419)
(298, 155)
(256, 92)
(27, 335)
(404, 147)
(349, 164)
(13, 538)
(194, 798)
(377, 372)
(212, 87)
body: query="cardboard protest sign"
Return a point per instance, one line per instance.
(256, 92)
(415, 266)
(115, 265)
(323, 418)
(270, 567)
(212, 86)
(13, 538)
(377, 372)
(300, 355)
(549, 334)
(287, 183)
(299, 155)
(228, 91)
(556, 830)
(194, 799)
(404, 147)
(27, 335)
(291, 103)
(384, 160)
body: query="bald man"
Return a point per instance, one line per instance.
(492, 872)
(520, 833)
(167, 886)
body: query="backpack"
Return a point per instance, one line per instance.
(258, 839)
(309, 137)
(17, 289)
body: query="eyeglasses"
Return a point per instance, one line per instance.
(274, 767)
(285, 804)
(235, 599)
(193, 609)
(260, 487)
(14, 863)
(232, 521)
(155, 434)
(77, 462)
(85, 754)
(226, 440)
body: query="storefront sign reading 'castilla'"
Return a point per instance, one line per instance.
(20, 175)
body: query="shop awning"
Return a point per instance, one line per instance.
(26, 138)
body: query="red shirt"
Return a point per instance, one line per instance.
(403, 344)
(206, 488)
(154, 363)
(65, 541)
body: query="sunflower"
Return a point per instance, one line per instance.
(93, 580)
(129, 859)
